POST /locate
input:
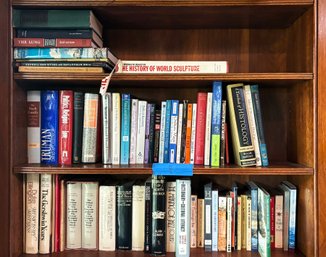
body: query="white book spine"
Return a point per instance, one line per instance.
(45, 213)
(179, 133)
(239, 224)
(248, 238)
(133, 130)
(107, 209)
(138, 218)
(214, 220)
(140, 146)
(229, 224)
(33, 126)
(173, 130)
(32, 213)
(252, 123)
(115, 121)
(73, 231)
(207, 150)
(62, 215)
(193, 133)
(170, 215)
(106, 120)
(162, 132)
(278, 221)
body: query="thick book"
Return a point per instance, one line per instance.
(200, 128)
(170, 216)
(148, 216)
(244, 152)
(133, 131)
(239, 223)
(253, 191)
(208, 217)
(106, 128)
(55, 42)
(193, 221)
(66, 102)
(286, 215)
(32, 208)
(125, 128)
(183, 217)
(158, 215)
(91, 103)
(222, 223)
(74, 19)
(49, 127)
(116, 128)
(264, 240)
(107, 216)
(208, 127)
(74, 215)
(278, 239)
(33, 126)
(172, 67)
(124, 215)
(167, 130)
(138, 217)
(60, 69)
(78, 118)
(200, 223)
(140, 141)
(173, 131)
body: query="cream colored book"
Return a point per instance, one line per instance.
(60, 69)
(200, 223)
(63, 216)
(170, 216)
(138, 218)
(193, 220)
(115, 121)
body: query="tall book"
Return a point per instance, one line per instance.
(125, 128)
(45, 232)
(244, 152)
(148, 215)
(158, 215)
(66, 102)
(162, 132)
(49, 127)
(140, 145)
(91, 104)
(124, 215)
(243, 241)
(253, 191)
(106, 128)
(78, 127)
(229, 208)
(167, 130)
(224, 133)
(115, 125)
(183, 217)
(183, 131)
(57, 213)
(286, 215)
(74, 215)
(170, 216)
(32, 209)
(173, 131)
(193, 133)
(215, 220)
(107, 216)
(278, 240)
(157, 128)
(222, 225)
(248, 223)
(200, 128)
(264, 241)
(208, 217)
(200, 223)
(239, 223)
(179, 133)
(33, 126)
(138, 217)
(63, 210)
(147, 131)
(208, 126)
(151, 139)
(133, 131)
(193, 218)
(188, 134)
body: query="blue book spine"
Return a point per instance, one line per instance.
(162, 132)
(216, 123)
(49, 127)
(167, 131)
(147, 130)
(214, 220)
(173, 130)
(254, 219)
(125, 129)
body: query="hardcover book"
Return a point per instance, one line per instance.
(208, 216)
(193, 133)
(133, 131)
(140, 145)
(116, 125)
(253, 191)
(208, 126)
(138, 217)
(170, 216)
(106, 128)
(162, 132)
(193, 228)
(78, 126)
(166, 155)
(200, 223)
(125, 128)
(173, 131)
(264, 241)
(148, 215)
(200, 128)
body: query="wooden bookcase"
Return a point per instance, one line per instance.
(279, 44)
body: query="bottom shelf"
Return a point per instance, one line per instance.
(198, 252)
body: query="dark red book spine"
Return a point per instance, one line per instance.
(65, 126)
(55, 42)
(200, 128)
(57, 217)
(272, 224)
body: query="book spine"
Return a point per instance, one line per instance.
(138, 217)
(286, 214)
(157, 129)
(184, 132)
(66, 101)
(107, 214)
(188, 133)
(133, 130)
(162, 132)
(254, 220)
(32, 213)
(49, 127)
(166, 155)
(125, 128)
(63, 210)
(90, 128)
(115, 125)
(208, 127)
(173, 131)
(55, 42)
(214, 220)
(148, 215)
(147, 130)
(151, 133)
(140, 146)
(45, 213)
(57, 213)
(183, 217)
(200, 128)
(53, 34)
(200, 223)
(78, 118)
(208, 217)
(292, 219)
(259, 124)
(170, 216)
(74, 216)
(239, 223)
(229, 205)
(279, 221)
(193, 228)
(106, 120)
(158, 215)
(216, 123)
(272, 225)
(244, 221)
(33, 126)
(222, 226)
(193, 133)
(248, 223)
(224, 132)
(179, 134)
(60, 69)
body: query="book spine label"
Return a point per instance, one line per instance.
(170, 216)
(166, 155)
(107, 199)
(55, 42)
(214, 220)
(208, 217)
(200, 128)
(222, 226)
(33, 126)
(106, 121)
(200, 223)
(229, 224)
(224, 132)
(162, 132)
(151, 133)
(49, 127)
(74, 216)
(193, 133)
(138, 217)
(183, 217)
(188, 133)
(279, 221)
(173, 131)
(147, 129)
(66, 102)
(133, 130)
(125, 129)
(193, 231)
(207, 150)
(115, 124)
(140, 146)
(32, 213)
(90, 128)
(148, 215)
(157, 128)
(183, 131)
(216, 123)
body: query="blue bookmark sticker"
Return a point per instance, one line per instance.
(172, 169)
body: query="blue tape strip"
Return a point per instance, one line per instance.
(172, 169)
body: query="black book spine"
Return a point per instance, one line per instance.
(157, 134)
(151, 134)
(208, 217)
(78, 127)
(148, 216)
(123, 216)
(54, 33)
(183, 131)
(158, 215)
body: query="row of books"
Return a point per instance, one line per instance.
(156, 216)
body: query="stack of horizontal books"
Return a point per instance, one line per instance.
(60, 41)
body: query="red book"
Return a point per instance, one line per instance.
(56, 42)
(57, 218)
(272, 224)
(65, 126)
(200, 128)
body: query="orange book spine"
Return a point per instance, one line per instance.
(188, 133)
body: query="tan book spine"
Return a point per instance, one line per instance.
(200, 223)
(138, 218)
(248, 223)
(222, 205)
(193, 229)
(279, 221)
(60, 69)
(170, 216)
(244, 222)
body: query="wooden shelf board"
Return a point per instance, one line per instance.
(274, 169)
